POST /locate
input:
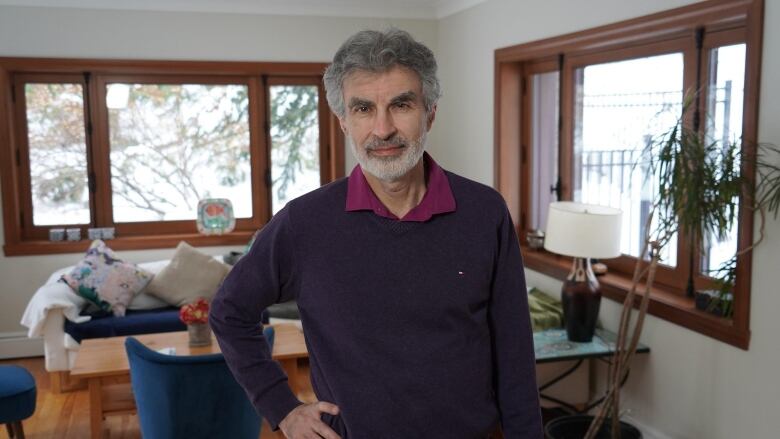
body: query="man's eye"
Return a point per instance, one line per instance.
(361, 109)
(402, 105)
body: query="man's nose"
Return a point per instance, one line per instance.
(384, 127)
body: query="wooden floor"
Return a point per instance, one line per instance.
(66, 415)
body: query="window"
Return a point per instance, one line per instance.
(57, 148)
(295, 153)
(171, 145)
(725, 101)
(576, 112)
(614, 119)
(135, 145)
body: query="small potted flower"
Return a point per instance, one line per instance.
(196, 316)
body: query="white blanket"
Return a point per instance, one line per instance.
(54, 294)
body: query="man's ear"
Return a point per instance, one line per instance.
(343, 124)
(432, 117)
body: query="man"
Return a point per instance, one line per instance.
(408, 278)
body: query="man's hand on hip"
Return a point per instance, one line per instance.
(304, 422)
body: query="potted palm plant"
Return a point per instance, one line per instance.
(702, 184)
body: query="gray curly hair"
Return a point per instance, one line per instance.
(377, 51)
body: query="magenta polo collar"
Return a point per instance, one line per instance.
(438, 196)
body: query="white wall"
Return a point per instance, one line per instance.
(690, 386)
(66, 33)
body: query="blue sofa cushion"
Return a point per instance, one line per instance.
(17, 394)
(133, 323)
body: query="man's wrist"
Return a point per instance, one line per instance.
(282, 402)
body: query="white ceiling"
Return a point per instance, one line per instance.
(421, 9)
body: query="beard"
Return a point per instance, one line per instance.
(394, 167)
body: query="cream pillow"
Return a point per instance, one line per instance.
(191, 274)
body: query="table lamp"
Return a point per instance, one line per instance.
(583, 231)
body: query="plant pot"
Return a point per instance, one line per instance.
(575, 427)
(711, 302)
(200, 334)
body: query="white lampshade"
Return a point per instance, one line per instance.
(583, 230)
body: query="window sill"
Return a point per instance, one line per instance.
(27, 248)
(664, 303)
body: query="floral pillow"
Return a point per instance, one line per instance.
(106, 281)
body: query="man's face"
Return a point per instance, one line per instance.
(385, 121)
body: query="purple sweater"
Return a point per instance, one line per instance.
(414, 329)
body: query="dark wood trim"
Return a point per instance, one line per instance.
(22, 160)
(323, 123)
(158, 79)
(568, 91)
(294, 80)
(40, 247)
(257, 153)
(141, 228)
(100, 155)
(526, 150)
(336, 147)
(508, 142)
(536, 67)
(743, 288)
(9, 173)
(637, 31)
(724, 21)
(134, 67)
(677, 45)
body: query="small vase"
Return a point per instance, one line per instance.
(200, 334)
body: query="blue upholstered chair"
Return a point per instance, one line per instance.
(189, 396)
(17, 398)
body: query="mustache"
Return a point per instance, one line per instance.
(378, 143)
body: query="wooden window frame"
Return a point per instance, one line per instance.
(725, 22)
(674, 277)
(23, 238)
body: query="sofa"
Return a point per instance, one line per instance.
(63, 318)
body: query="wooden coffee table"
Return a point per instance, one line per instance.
(103, 363)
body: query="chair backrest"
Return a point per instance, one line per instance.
(189, 396)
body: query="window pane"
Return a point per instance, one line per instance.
(295, 152)
(619, 107)
(58, 154)
(174, 144)
(724, 124)
(544, 145)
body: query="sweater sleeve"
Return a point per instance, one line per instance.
(262, 277)
(512, 339)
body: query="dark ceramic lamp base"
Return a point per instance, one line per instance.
(581, 300)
